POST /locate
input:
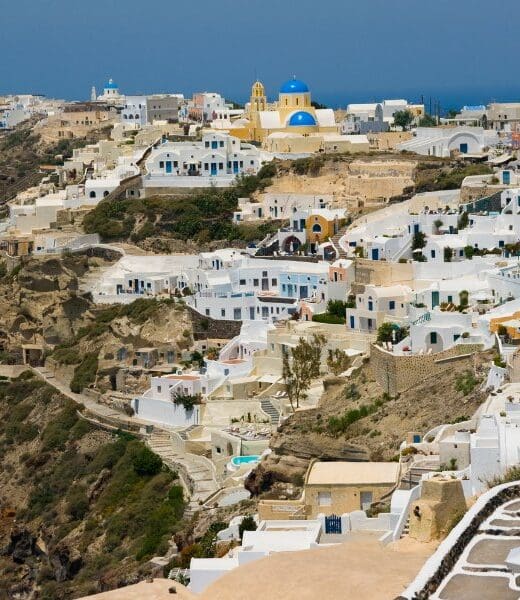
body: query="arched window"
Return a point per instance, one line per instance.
(136, 116)
(131, 117)
(105, 193)
(316, 228)
(92, 194)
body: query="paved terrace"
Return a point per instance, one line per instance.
(472, 563)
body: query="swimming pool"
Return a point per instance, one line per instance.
(245, 460)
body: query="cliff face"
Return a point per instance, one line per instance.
(355, 420)
(81, 510)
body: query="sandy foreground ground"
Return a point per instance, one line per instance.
(359, 569)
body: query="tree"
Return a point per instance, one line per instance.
(427, 121)
(437, 224)
(464, 298)
(418, 240)
(248, 524)
(403, 118)
(146, 462)
(385, 332)
(468, 252)
(463, 220)
(337, 308)
(300, 366)
(337, 361)
(448, 253)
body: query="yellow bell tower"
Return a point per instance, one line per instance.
(258, 98)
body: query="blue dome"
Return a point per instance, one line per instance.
(111, 85)
(302, 118)
(294, 86)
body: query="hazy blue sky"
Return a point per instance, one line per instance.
(346, 50)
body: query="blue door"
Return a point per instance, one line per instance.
(464, 148)
(375, 254)
(168, 166)
(435, 299)
(213, 168)
(506, 177)
(351, 322)
(416, 227)
(333, 524)
(235, 166)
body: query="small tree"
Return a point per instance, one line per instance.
(385, 332)
(248, 524)
(300, 366)
(403, 118)
(418, 240)
(437, 224)
(468, 252)
(427, 121)
(463, 220)
(448, 253)
(337, 361)
(464, 298)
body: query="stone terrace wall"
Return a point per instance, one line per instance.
(396, 374)
(378, 272)
(208, 328)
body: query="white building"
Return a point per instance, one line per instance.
(441, 141)
(217, 160)
(270, 536)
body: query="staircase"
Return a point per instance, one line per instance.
(406, 528)
(184, 432)
(335, 242)
(414, 475)
(196, 472)
(270, 411)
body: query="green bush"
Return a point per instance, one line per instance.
(328, 318)
(77, 502)
(146, 462)
(56, 434)
(85, 373)
(465, 382)
(248, 524)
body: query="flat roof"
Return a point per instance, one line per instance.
(351, 473)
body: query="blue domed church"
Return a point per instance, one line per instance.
(292, 114)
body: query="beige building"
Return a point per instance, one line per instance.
(336, 488)
(342, 487)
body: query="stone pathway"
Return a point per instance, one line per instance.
(196, 472)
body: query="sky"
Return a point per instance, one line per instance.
(457, 51)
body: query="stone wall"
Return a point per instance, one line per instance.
(208, 328)
(378, 272)
(396, 374)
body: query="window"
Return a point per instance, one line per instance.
(242, 282)
(324, 499)
(92, 194)
(206, 144)
(391, 305)
(274, 282)
(222, 312)
(255, 282)
(220, 166)
(207, 312)
(433, 337)
(159, 389)
(161, 164)
(221, 144)
(433, 253)
(237, 314)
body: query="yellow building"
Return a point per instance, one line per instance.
(322, 225)
(511, 324)
(292, 113)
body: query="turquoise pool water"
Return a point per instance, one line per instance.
(244, 460)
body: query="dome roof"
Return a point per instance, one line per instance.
(301, 118)
(294, 86)
(111, 85)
